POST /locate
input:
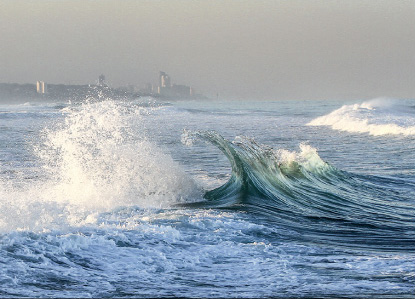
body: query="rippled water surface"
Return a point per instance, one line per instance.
(208, 199)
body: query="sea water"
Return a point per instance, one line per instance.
(148, 198)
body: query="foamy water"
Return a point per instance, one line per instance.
(376, 117)
(92, 162)
(105, 199)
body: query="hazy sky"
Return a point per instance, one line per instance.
(251, 49)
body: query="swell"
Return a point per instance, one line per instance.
(301, 192)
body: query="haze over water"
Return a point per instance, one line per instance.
(239, 49)
(295, 179)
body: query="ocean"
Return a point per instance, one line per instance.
(149, 198)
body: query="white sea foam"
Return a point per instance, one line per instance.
(376, 117)
(186, 252)
(307, 157)
(97, 159)
(101, 243)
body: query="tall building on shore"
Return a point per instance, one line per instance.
(41, 87)
(164, 80)
(165, 88)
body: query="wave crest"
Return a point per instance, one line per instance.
(375, 117)
(301, 191)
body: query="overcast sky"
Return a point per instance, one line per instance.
(251, 49)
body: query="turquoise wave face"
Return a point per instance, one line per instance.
(88, 194)
(306, 195)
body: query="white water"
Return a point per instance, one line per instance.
(87, 199)
(375, 117)
(93, 160)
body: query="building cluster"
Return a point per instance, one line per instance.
(167, 89)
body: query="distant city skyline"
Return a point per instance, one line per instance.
(238, 49)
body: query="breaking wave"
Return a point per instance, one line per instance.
(93, 159)
(375, 117)
(303, 193)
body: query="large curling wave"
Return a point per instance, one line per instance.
(312, 198)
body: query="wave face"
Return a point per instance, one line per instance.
(375, 117)
(89, 196)
(319, 202)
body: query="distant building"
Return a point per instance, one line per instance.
(165, 88)
(165, 81)
(41, 87)
(148, 88)
(181, 90)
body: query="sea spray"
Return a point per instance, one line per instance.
(96, 158)
(249, 249)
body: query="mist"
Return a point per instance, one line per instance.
(236, 49)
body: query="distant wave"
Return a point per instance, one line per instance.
(302, 192)
(376, 117)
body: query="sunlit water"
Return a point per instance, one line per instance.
(113, 199)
